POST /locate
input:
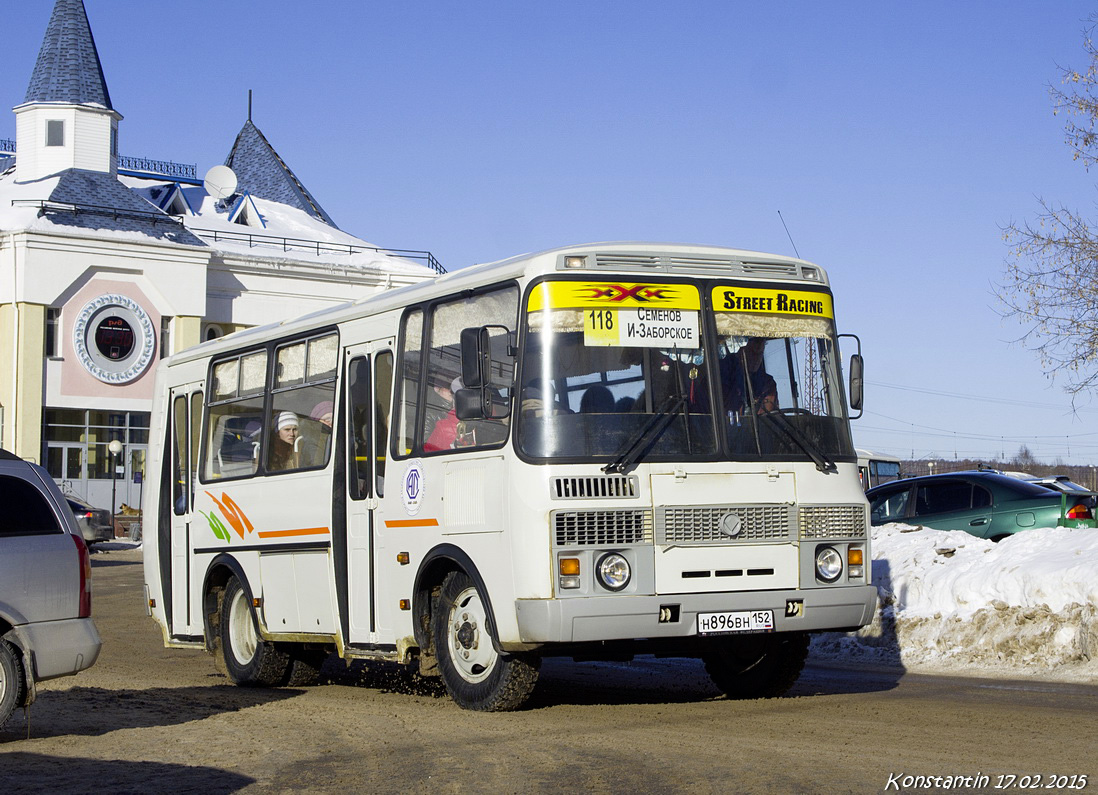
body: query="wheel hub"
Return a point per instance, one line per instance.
(467, 635)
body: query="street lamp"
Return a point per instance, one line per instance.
(115, 447)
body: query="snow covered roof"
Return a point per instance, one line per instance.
(262, 173)
(129, 207)
(68, 68)
(94, 200)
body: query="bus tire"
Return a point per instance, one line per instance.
(476, 675)
(249, 660)
(757, 666)
(13, 682)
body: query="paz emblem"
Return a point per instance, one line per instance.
(731, 525)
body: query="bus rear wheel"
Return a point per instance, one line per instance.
(757, 666)
(249, 660)
(476, 675)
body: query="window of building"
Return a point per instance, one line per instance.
(53, 332)
(165, 336)
(55, 132)
(76, 440)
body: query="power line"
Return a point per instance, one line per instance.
(981, 398)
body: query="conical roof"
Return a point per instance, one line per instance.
(261, 172)
(68, 68)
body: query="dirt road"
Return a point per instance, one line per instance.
(145, 718)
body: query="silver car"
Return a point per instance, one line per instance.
(46, 630)
(95, 523)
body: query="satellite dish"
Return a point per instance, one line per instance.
(220, 182)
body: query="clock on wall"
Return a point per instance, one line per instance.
(113, 337)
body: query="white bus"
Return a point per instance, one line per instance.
(592, 452)
(877, 468)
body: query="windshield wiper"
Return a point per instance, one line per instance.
(782, 423)
(639, 443)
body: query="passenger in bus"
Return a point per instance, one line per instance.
(320, 433)
(534, 404)
(284, 443)
(444, 432)
(597, 399)
(323, 412)
(745, 378)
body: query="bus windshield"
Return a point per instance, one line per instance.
(648, 382)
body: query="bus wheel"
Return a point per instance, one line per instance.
(757, 666)
(476, 675)
(12, 682)
(249, 660)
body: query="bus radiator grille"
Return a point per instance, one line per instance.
(832, 521)
(593, 487)
(707, 525)
(602, 528)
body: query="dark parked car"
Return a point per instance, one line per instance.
(985, 504)
(94, 523)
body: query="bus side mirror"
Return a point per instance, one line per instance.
(480, 398)
(857, 369)
(476, 357)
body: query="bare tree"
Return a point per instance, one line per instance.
(1051, 278)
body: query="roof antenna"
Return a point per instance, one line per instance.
(250, 118)
(779, 211)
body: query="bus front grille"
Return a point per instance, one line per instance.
(602, 528)
(593, 487)
(722, 524)
(832, 521)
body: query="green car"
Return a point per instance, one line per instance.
(985, 504)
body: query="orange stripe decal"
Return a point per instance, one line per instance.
(411, 522)
(304, 531)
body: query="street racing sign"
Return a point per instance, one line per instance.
(626, 314)
(773, 301)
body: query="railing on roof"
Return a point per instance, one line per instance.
(164, 168)
(287, 244)
(75, 208)
(7, 146)
(320, 247)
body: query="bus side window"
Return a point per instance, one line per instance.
(358, 482)
(383, 400)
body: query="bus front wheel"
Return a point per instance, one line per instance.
(757, 666)
(249, 660)
(476, 675)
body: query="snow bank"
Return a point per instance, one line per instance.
(951, 602)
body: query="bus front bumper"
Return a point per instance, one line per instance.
(596, 618)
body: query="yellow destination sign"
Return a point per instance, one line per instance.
(772, 301)
(614, 295)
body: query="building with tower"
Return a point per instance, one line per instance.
(110, 262)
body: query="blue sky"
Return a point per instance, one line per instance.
(895, 139)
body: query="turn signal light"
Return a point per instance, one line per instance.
(569, 567)
(854, 556)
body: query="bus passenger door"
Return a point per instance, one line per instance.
(186, 423)
(369, 397)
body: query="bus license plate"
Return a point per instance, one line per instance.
(727, 623)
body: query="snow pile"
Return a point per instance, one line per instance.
(948, 601)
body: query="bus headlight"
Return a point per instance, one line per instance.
(612, 571)
(829, 564)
